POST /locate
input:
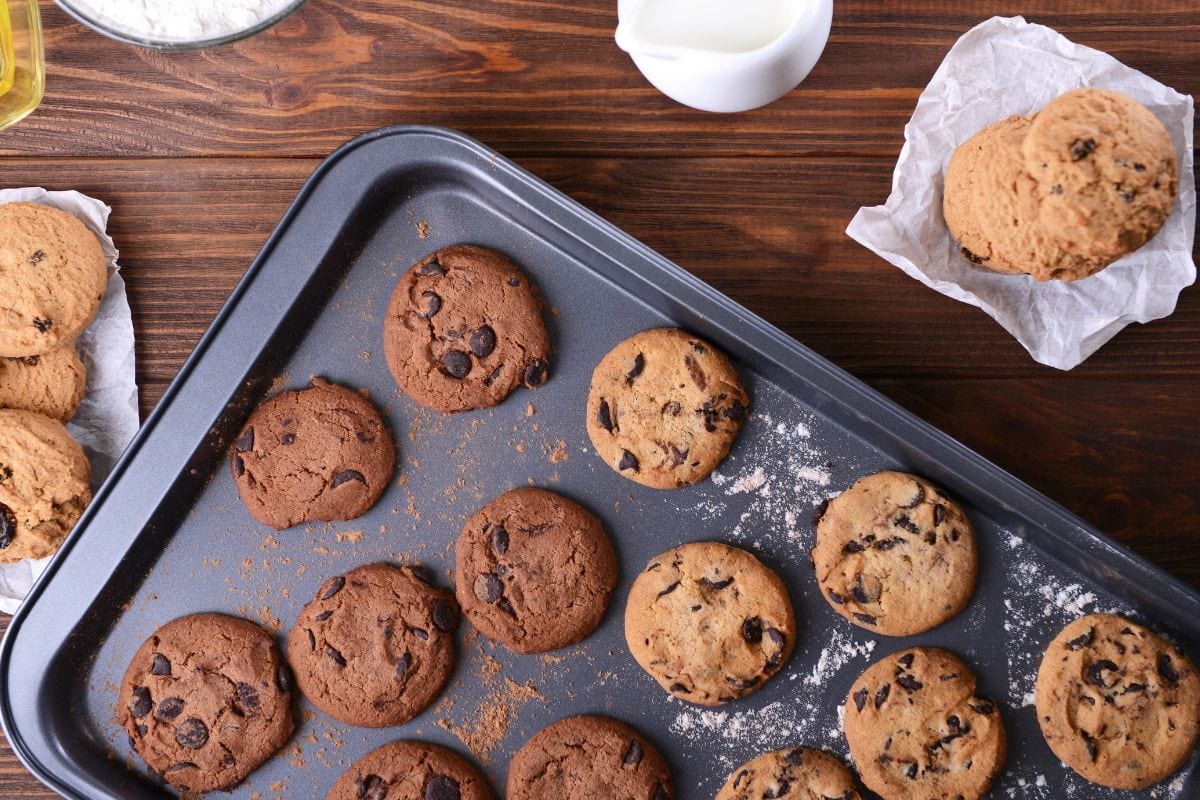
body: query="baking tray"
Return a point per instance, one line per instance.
(167, 535)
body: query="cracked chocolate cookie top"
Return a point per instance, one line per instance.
(917, 731)
(206, 700)
(589, 758)
(52, 278)
(316, 454)
(534, 571)
(894, 555)
(464, 329)
(376, 645)
(796, 773)
(709, 622)
(1117, 703)
(664, 408)
(408, 770)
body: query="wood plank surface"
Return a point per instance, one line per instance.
(200, 154)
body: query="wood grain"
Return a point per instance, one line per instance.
(200, 154)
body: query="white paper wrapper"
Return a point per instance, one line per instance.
(108, 417)
(1007, 66)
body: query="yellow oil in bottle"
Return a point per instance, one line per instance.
(22, 69)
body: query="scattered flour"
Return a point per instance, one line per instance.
(840, 651)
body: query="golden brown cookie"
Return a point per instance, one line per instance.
(1117, 703)
(44, 484)
(664, 408)
(411, 771)
(589, 758)
(917, 731)
(206, 700)
(796, 773)
(534, 571)
(52, 278)
(51, 384)
(894, 555)
(709, 622)
(316, 454)
(1106, 171)
(464, 329)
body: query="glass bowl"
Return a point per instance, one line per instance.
(82, 11)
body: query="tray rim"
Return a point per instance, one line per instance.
(1016, 493)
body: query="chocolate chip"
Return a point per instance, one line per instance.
(882, 695)
(742, 684)
(604, 416)
(974, 259)
(365, 438)
(36, 257)
(1083, 640)
(239, 466)
(1082, 148)
(678, 456)
(910, 683)
(820, 512)
(1125, 193)
(639, 364)
(192, 733)
(514, 282)
(483, 342)
(888, 544)
(984, 707)
(247, 697)
(334, 586)
(371, 787)
(169, 708)
(456, 363)
(628, 461)
(911, 772)
(679, 688)
(907, 524)
(865, 618)
(669, 589)
(324, 615)
(421, 573)
(1133, 688)
(403, 664)
(345, 476)
(283, 679)
(43, 325)
(1139, 167)
(488, 588)
(716, 586)
(752, 630)
(142, 703)
(906, 660)
(506, 607)
(854, 546)
(420, 633)
(432, 268)
(1095, 671)
(490, 379)
(859, 592)
(288, 439)
(499, 539)
(536, 373)
(182, 765)
(1090, 743)
(737, 780)
(860, 698)
(736, 411)
(160, 665)
(939, 514)
(918, 498)
(837, 598)
(246, 442)
(444, 618)
(1166, 669)
(441, 787)
(633, 756)
(661, 793)
(698, 376)
(335, 655)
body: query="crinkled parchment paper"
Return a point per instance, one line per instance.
(108, 417)
(1007, 66)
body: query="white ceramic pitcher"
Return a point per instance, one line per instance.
(738, 74)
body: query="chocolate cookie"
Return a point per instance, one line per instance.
(312, 455)
(894, 555)
(411, 771)
(1117, 703)
(664, 408)
(376, 645)
(917, 731)
(793, 774)
(709, 622)
(589, 758)
(44, 485)
(464, 329)
(1106, 170)
(534, 571)
(52, 278)
(206, 700)
(51, 384)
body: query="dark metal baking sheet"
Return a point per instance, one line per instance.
(167, 535)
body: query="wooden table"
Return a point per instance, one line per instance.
(200, 153)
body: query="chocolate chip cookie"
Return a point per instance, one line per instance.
(206, 700)
(411, 771)
(1117, 703)
(664, 408)
(709, 622)
(51, 384)
(44, 484)
(1106, 171)
(376, 645)
(917, 731)
(316, 454)
(534, 571)
(793, 774)
(52, 278)
(464, 329)
(589, 758)
(894, 555)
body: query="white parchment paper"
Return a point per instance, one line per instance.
(1007, 66)
(108, 417)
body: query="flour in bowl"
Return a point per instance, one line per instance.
(180, 21)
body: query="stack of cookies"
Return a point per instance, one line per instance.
(52, 278)
(1063, 193)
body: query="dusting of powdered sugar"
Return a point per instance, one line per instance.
(839, 652)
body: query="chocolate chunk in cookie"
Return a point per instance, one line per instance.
(408, 770)
(795, 773)
(664, 408)
(1117, 703)
(709, 622)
